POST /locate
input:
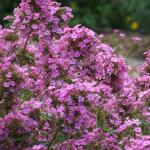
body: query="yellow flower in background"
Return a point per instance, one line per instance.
(135, 25)
(74, 5)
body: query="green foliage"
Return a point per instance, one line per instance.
(99, 14)
(6, 7)
(45, 116)
(140, 11)
(25, 95)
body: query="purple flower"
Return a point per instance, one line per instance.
(6, 84)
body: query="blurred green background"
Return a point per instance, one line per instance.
(101, 15)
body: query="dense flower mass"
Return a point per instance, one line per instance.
(61, 88)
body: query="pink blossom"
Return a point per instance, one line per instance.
(6, 84)
(136, 39)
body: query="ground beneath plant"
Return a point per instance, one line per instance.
(135, 56)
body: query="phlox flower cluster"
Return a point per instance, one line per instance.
(61, 88)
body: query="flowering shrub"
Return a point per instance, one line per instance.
(62, 88)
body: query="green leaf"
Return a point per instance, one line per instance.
(25, 95)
